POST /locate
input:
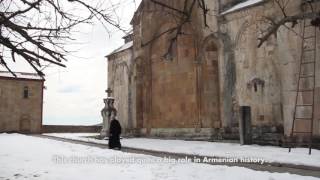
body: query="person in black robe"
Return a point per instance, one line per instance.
(114, 134)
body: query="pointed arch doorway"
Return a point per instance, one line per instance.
(209, 85)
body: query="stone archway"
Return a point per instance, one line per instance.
(209, 85)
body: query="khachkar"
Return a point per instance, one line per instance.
(106, 113)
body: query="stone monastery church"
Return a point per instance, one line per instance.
(211, 81)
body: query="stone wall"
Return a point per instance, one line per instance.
(179, 91)
(257, 69)
(19, 114)
(119, 80)
(211, 72)
(267, 76)
(70, 129)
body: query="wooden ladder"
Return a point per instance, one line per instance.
(306, 76)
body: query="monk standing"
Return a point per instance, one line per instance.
(114, 134)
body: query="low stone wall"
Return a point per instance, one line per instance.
(206, 134)
(70, 129)
(262, 135)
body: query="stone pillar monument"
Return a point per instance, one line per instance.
(106, 113)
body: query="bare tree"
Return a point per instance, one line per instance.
(38, 30)
(289, 21)
(286, 20)
(182, 15)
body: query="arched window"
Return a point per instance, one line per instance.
(26, 92)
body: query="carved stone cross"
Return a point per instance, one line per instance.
(109, 92)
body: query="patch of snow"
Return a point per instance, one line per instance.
(298, 156)
(122, 48)
(130, 32)
(242, 5)
(27, 157)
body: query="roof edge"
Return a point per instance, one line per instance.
(39, 78)
(22, 79)
(116, 51)
(230, 11)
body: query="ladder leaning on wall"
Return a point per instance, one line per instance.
(306, 77)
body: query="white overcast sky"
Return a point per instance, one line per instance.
(74, 95)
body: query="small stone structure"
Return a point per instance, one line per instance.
(21, 102)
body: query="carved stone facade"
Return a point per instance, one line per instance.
(266, 77)
(21, 103)
(119, 74)
(211, 73)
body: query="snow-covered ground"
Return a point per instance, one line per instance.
(298, 156)
(27, 157)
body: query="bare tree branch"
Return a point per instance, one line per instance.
(184, 16)
(306, 13)
(289, 19)
(38, 30)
